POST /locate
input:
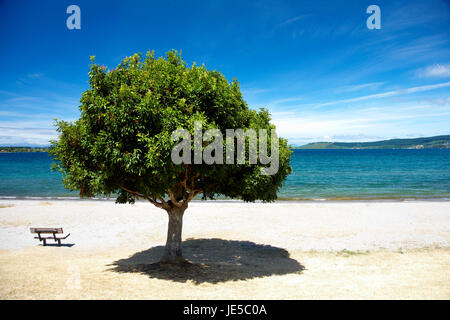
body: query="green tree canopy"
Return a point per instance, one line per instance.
(121, 145)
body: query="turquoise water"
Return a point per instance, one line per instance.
(368, 174)
(317, 174)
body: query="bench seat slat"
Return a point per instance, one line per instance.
(46, 230)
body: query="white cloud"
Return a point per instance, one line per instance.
(368, 123)
(351, 88)
(34, 75)
(22, 136)
(27, 132)
(289, 21)
(387, 94)
(436, 70)
(285, 100)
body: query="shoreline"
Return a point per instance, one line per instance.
(281, 200)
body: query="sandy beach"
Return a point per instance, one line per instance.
(282, 250)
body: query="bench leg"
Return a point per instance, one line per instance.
(45, 242)
(59, 243)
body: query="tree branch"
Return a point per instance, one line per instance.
(191, 189)
(163, 204)
(173, 200)
(186, 175)
(133, 192)
(187, 197)
(191, 196)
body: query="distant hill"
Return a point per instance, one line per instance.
(23, 149)
(437, 142)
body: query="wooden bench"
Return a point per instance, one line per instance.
(53, 231)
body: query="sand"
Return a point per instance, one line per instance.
(283, 250)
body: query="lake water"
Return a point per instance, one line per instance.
(317, 174)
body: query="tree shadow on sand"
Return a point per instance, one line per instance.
(213, 261)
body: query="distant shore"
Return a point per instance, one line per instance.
(22, 149)
(436, 142)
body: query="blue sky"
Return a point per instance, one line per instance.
(314, 64)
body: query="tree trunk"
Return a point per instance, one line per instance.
(172, 252)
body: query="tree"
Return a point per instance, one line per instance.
(122, 143)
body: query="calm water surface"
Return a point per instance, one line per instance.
(317, 174)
